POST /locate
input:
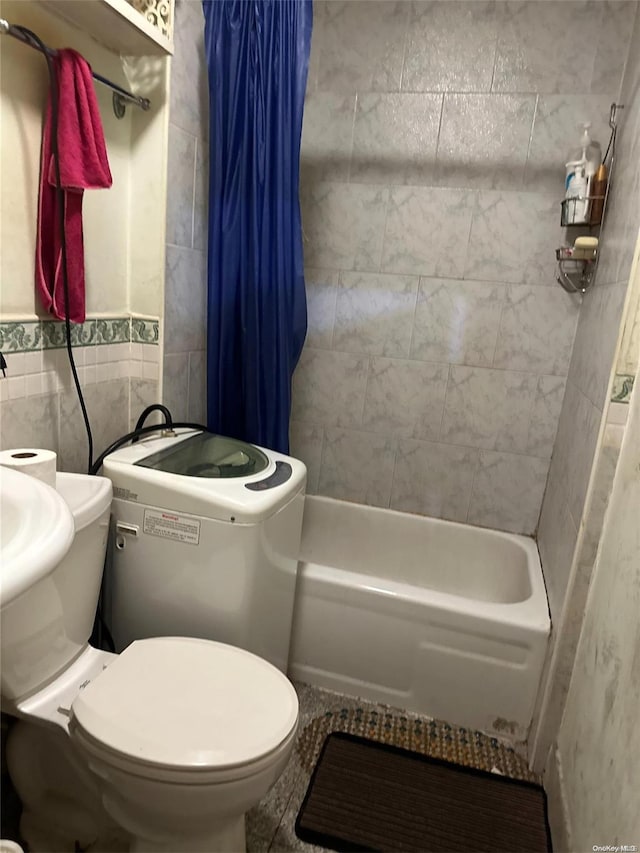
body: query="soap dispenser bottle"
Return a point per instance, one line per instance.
(577, 203)
(582, 168)
(588, 150)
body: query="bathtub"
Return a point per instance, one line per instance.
(436, 617)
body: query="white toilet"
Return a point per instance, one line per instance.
(161, 748)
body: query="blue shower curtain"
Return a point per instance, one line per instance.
(258, 56)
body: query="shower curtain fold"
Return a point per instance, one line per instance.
(257, 55)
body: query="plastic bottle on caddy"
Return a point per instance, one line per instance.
(588, 150)
(581, 170)
(576, 192)
(598, 191)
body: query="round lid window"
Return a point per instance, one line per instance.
(208, 455)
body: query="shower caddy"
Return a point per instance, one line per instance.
(577, 270)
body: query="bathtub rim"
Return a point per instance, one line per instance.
(531, 612)
(525, 614)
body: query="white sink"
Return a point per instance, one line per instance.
(36, 531)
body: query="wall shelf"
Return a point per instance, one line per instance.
(116, 24)
(577, 268)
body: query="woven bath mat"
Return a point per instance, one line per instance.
(435, 738)
(371, 796)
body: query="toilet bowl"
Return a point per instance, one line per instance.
(185, 736)
(166, 745)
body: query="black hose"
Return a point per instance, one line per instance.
(130, 436)
(53, 80)
(155, 407)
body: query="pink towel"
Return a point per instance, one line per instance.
(83, 165)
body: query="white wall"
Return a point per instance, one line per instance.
(147, 200)
(598, 746)
(119, 363)
(124, 225)
(24, 84)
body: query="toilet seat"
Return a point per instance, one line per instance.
(178, 705)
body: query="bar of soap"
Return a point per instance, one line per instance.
(584, 249)
(586, 243)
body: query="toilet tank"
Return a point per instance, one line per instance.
(47, 627)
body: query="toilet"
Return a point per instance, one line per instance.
(163, 747)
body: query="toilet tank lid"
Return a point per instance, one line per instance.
(188, 704)
(88, 497)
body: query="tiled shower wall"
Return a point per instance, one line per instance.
(595, 347)
(587, 448)
(434, 142)
(187, 191)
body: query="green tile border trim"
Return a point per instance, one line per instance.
(33, 335)
(20, 337)
(54, 334)
(144, 331)
(113, 331)
(622, 386)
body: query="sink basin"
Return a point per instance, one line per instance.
(36, 531)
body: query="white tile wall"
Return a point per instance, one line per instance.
(400, 127)
(583, 464)
(427, 231)
(440, 56)
(374, 313)
(47, 371)
(484, 140)
(434, 479)
(184, 378)
(361, 44)
(434, 141)
(457, 321)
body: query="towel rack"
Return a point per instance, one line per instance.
(121, 97)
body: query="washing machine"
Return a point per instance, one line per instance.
(205, 538)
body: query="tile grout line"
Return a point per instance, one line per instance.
(354, 118)
(444, 405)
(323, 444)
(193, 193)
(525, 168)
(473, 482)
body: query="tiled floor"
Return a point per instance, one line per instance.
(270, 826)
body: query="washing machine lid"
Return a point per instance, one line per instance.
(244, 498)
(186, 703)
(208, 455)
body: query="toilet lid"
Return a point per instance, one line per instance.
(183, 702)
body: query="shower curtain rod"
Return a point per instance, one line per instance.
(119, 93)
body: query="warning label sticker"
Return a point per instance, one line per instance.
(168, 525)
(124, 494)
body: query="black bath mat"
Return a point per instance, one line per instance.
(371, 796)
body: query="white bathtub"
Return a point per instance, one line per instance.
(436, 617)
